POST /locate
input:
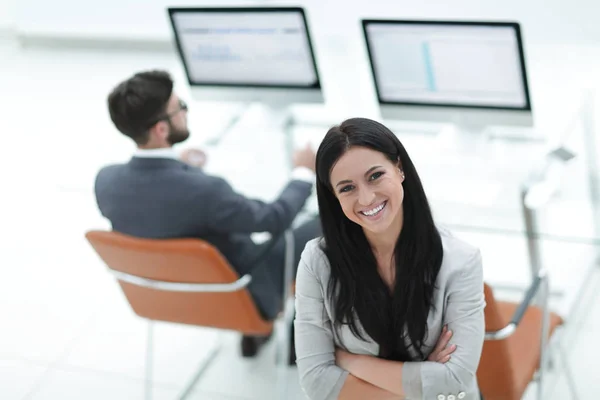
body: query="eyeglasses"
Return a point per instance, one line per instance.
(167, 117)
(182, 106)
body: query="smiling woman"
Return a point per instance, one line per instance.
(371, 198)
(389, 306)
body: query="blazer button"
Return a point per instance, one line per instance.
(451, 397)
(441, 397)
(462, 395)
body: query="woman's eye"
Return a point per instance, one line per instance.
(376, 175)
(346, 189)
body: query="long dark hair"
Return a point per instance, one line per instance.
(396, 321)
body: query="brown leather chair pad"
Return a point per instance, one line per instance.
(524, 345)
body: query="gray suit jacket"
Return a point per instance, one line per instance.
(164, 198)
(458, 302)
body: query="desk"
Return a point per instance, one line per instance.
(474, 187)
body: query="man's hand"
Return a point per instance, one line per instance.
(305, 158)
(442, 351)
(194, 157)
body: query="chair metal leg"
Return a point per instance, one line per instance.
(283, 345)
(197, 375)
(288, 275)
(568, 372)
(283, 333)
(203, 367)
(149, 361)
(544, 338)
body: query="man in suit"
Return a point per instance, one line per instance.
(157, 195)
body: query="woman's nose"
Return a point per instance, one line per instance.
(366, 197)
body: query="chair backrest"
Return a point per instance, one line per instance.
(495, 372)
(182, 261)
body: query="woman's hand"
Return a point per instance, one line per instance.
(440, 354)
(442, 351)
(344, 360)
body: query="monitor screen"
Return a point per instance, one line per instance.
(459, 64)
(245, 46)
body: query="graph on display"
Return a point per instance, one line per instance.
(209, 52)
(250, 48)
(226, 53)
(447, 64)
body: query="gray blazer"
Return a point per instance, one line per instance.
(160, 198)
(458, 302)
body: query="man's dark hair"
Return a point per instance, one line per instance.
(139, 102)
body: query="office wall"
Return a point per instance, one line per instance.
(7, 15)
(109, 19)
(545, 21)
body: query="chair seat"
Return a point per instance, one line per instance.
(523, 345)
(180, 261)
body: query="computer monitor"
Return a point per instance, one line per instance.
(471, 74)
(251, 54)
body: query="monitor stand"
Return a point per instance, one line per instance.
(461, 138)
(477, 139)
(514, 134)
(463, 130)
(467, 135)
(518, 130)
(271, 119)
(229, 126)
(280, 120)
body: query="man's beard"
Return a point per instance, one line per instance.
(177, 135)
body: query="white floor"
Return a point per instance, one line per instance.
(66, 330)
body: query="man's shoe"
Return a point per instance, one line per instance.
(250, 345)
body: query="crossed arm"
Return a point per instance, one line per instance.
(327, 374)
(384, 374)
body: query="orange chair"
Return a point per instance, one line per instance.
(188, 281)
(515, 348)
